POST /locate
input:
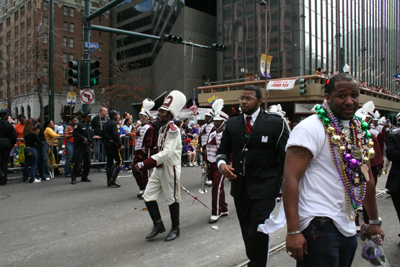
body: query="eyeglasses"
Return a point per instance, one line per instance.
(247, 99)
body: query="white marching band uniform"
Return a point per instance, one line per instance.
(165, 177)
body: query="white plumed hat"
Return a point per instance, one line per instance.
(368, 109)
(147, 105)
(219, 114)
(377, 115)
(279, 109)
(174, 102)
(210, 113)
(382, 121)
(398, 116)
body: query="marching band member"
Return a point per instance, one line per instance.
(165, 178)
(144, 142)
(204, 133)
(219, 206)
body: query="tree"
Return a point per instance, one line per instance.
(124, 88)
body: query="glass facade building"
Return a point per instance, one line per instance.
(306, 34)
(155, 17)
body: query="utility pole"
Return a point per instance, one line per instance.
(86, 56)
(51, 62)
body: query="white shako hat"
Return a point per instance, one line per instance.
(279, 109)
(382, 121)
(219, 114)
(210, 112)
(174, 102)
(376, 116)
(147, 105)
(368, 109)
(398, 116)
(273, 108)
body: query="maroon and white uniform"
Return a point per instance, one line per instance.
(165, 177)
(144, 142)
(218, 194)
(204, 132)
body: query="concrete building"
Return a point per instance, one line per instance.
(24, 27)
(163, 66)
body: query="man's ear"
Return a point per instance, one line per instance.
(328, 98)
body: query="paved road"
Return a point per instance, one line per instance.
(54, 223)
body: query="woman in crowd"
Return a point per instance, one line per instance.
(31, 158)
(50, 134)
(69, 145)
(191, 152)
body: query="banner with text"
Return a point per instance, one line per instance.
(280, 85)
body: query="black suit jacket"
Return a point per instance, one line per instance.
(393, 154)
(259, 164)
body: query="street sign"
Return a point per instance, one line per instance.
(87, 96)
(91, 50)
(90, 45)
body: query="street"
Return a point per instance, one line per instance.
(54, 223)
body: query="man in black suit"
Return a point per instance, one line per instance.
(257, 141)
(393, 181)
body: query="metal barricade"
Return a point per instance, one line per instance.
(98, 153)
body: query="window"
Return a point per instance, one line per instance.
(65, 57)
(71, 27)
(71, 42)
(22, 57)
(65, 88)
(45, 22)
(22, 11)
(45, 38)
(45, 54)
(22, 41)
(1, 40)
(64, 75)
(65, 26)
(45, 6)
(65, 13)
(28, 23)
(45, 88)
(71, 12)
(99, 47)
(8, 35)
(8, 21)
(71, 57)
(45, 71)
(1, 27)
(22, 26)
(16, 61)
(100, 19)
(65, 41)
(16, 33)
(16, 15)
(29, 6)
(17, 90)
(100, 34)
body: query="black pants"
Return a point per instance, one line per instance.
(251, 213)
(396, 202)
(81, 153)
(5, 148)
(113, 153)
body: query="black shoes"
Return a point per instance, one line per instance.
(173, 234)
(157, 229)
(73, 181)
(86, 180)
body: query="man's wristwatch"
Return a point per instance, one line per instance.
(375, 222)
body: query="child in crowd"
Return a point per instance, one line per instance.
(191, 152)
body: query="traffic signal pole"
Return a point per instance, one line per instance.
(51, 62)
(86, 57)
(87, 27)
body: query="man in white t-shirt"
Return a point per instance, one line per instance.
(319, 210)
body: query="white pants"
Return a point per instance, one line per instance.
(163, 180)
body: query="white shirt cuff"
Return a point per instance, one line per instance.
(219, 163)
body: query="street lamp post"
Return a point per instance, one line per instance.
(264, 3)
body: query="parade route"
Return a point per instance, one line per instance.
(54, 223)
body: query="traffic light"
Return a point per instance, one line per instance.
(173, 39)
(94, 73)
(73, 73)
(303, 86)
(218, 47)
